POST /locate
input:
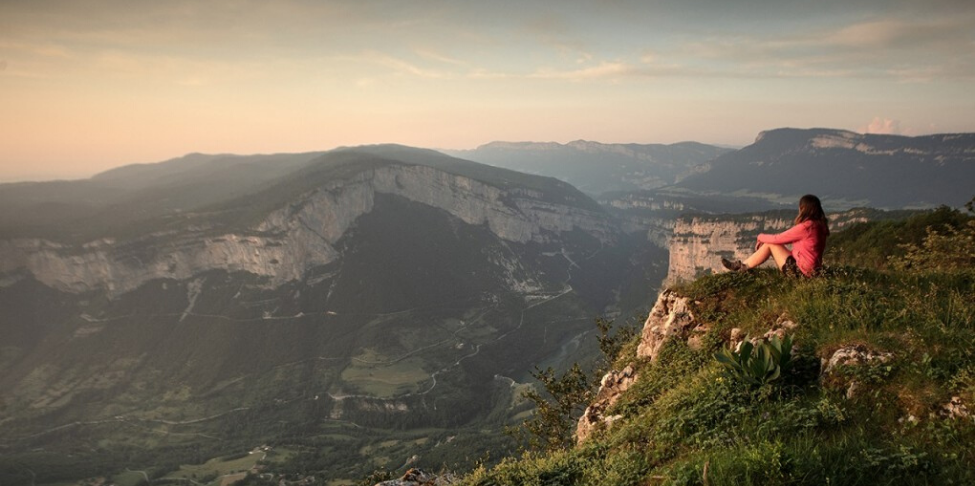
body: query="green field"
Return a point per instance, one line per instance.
(215, 469)
(371, 376)
(129, 478)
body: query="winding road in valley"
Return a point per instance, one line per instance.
(546, 298)
(477, 347)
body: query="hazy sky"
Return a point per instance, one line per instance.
(90, 84)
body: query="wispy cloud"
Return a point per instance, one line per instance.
(435, 56)
(486, 74)
(43, 49)
(602, 71)
(892, 48)
(401, 66)
(554, 31)
(444, 56)
(898, 34)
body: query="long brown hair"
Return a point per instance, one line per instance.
(810, 209)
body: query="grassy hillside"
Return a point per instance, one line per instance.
(883, 421)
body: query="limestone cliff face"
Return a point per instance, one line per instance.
(641, 214)
(293, 239)
(699, 242)
(631, 201)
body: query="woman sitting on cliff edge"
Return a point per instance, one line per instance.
(808, 239)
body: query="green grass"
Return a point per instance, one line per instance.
(686, 422)
(217, 467)
(385, 380)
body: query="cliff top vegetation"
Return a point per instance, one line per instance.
(879, 389)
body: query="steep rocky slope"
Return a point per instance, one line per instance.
(655, 212)
(291, 240)
(364, 290)
(877, 388)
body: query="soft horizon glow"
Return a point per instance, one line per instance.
(87, 86)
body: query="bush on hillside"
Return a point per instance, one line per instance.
(566, 395)
(949, 250)
(873, 245)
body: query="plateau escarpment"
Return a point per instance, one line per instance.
(655, 212)
(698, 242)
(845, 168)
(369, 290)
(293, 239)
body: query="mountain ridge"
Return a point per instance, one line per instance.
(292, 226)
(596, 167)
(370, 292)
(331, 302)
(845, 169)
(85, 210)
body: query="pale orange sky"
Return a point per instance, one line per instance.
(85, 86)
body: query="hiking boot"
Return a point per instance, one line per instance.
(734, 266)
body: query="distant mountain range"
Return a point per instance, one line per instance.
(845, 169)
(115, 200)
(221, 301)
(596, 167)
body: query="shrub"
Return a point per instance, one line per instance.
(551, 427)
(949, 250)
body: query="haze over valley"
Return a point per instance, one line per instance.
(396, 226)
(327, 299)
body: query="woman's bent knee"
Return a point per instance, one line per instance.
(780, 253)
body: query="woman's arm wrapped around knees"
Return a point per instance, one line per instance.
(791, 235)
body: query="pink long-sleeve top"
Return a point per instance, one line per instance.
(808, 240)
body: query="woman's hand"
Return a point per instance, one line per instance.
(758, 245)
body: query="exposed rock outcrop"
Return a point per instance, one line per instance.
(419, 477)
(611, 388)
(782, 327)
(300, 236)
(854, 355)
(670, 316)
(956, 409)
